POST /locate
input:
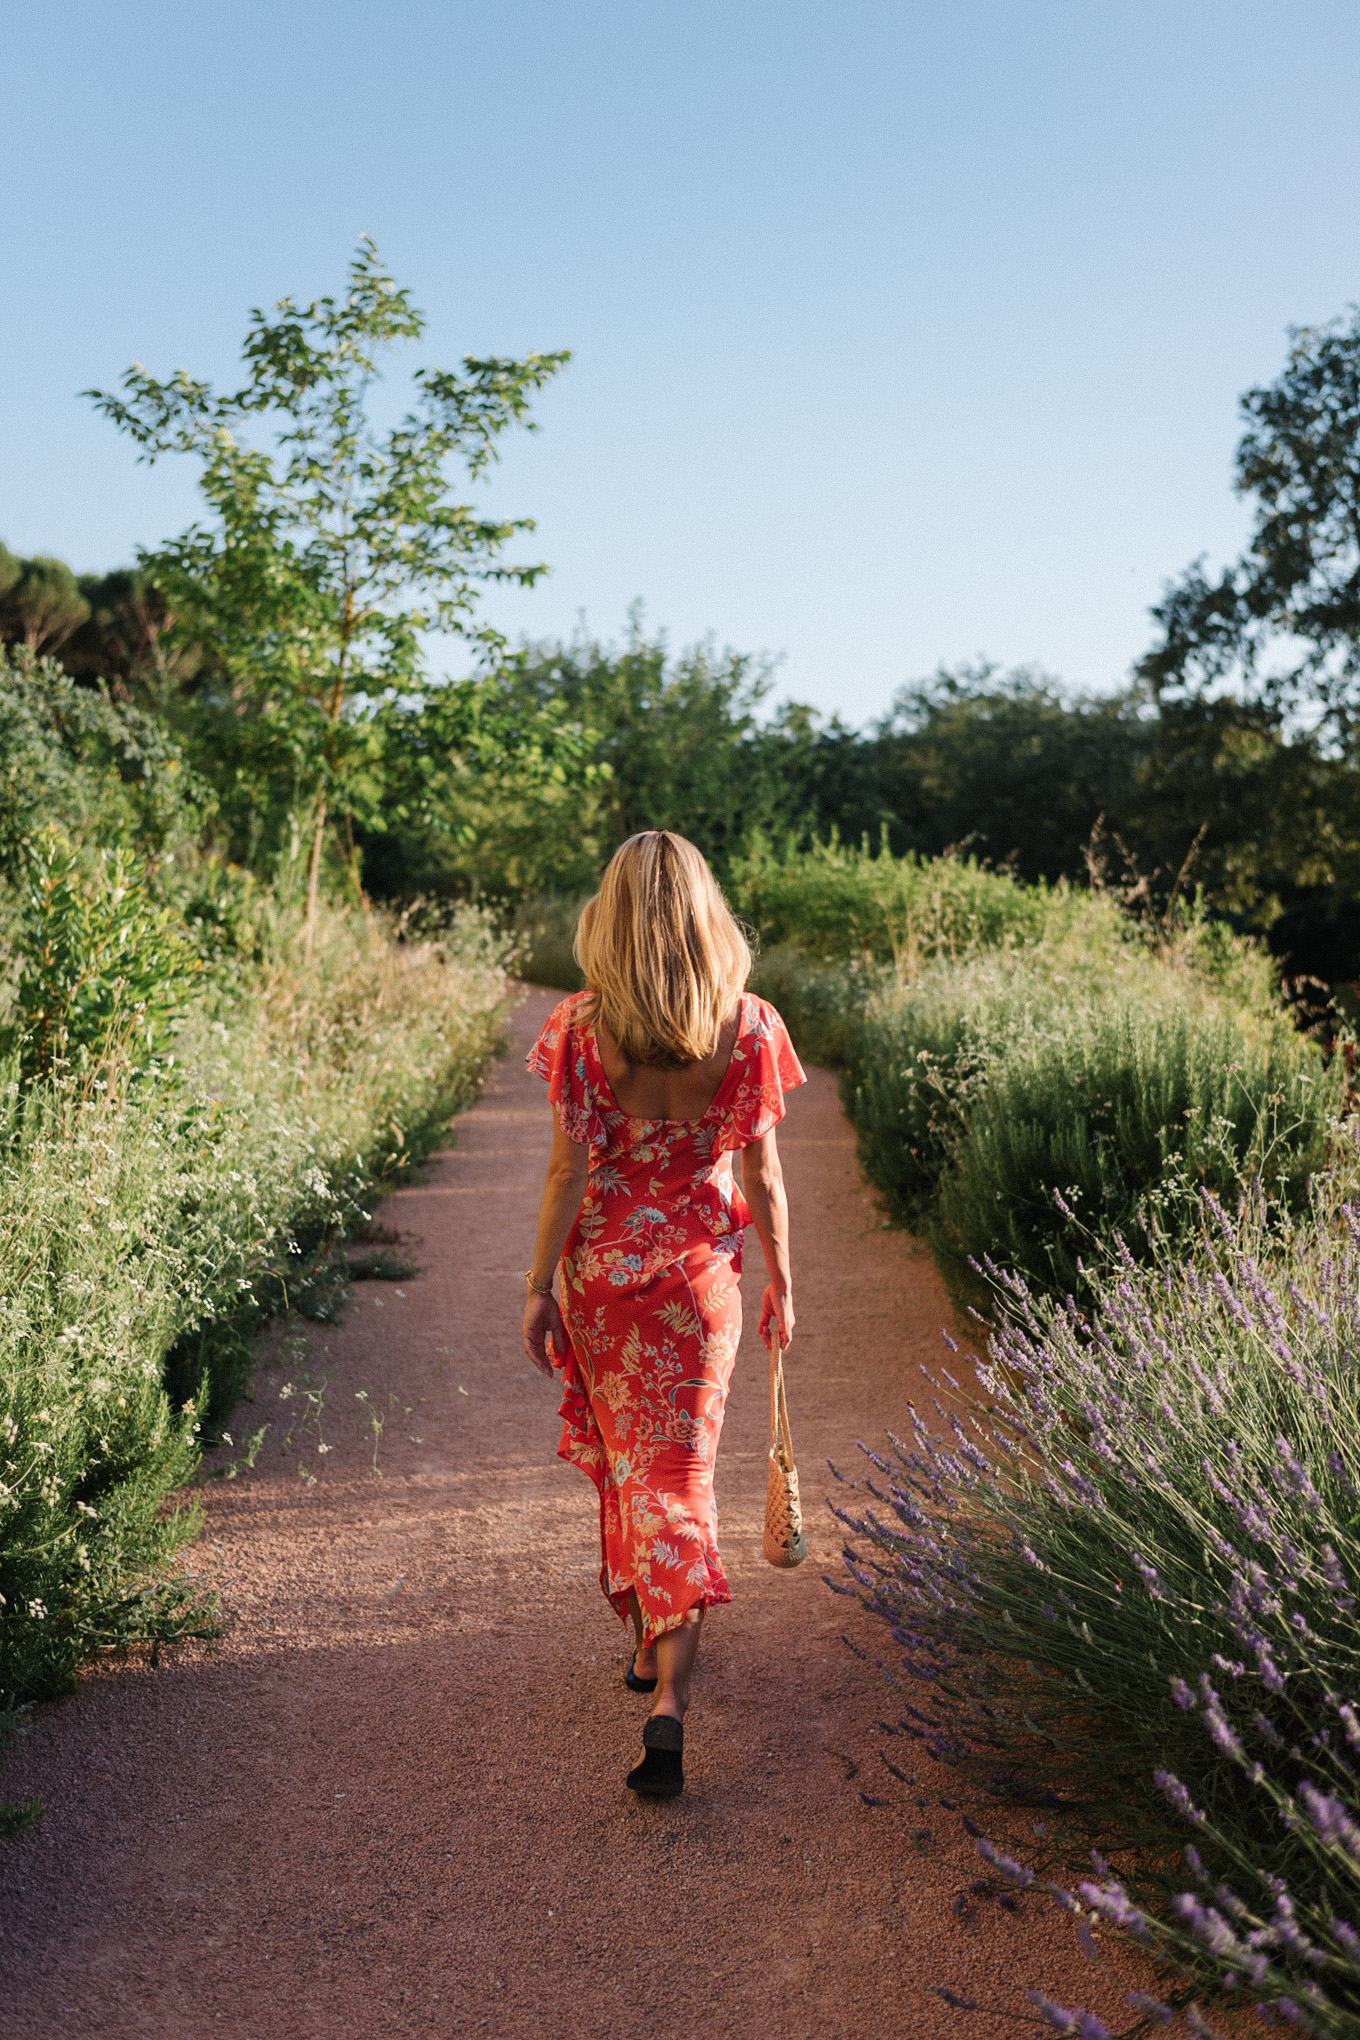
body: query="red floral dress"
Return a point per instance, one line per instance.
(651, 1299)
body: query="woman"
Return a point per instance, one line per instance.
(658, 1071)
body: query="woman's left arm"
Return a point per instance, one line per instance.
(568, 1168)
(762, 1182)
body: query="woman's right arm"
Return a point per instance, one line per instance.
(568, 1169)
(762, 1183)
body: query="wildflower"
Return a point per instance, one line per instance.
(1151, 2007)
(1084, 2025)
(1331, 1821)
(1178, 1796)
(1005, 1866)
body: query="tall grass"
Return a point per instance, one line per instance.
(151, 1218)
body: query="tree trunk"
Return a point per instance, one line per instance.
(314, 874)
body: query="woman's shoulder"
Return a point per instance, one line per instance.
(767, 1044)
(555, 1036)
(568, 1013)
(760, 1018)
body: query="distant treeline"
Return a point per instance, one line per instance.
(1008, 764)
(295, 688)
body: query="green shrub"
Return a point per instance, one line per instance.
(107, 773)
(148, 1225)
(1125, 1116)
(90, 1444)
(822, 1003)
(832, 902)
(999, 1042)
(104, 969)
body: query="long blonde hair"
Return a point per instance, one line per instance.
(661, 955)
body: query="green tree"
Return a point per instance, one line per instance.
(129, 643)
(329, 555)
(1284, 619)
(1256, 671)
(40, 602)
(484, 792)
(682, 738)
(1010, 764)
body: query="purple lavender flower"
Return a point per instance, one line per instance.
(1149, 1575)
(1151, 2007)
(1347, 1938)
(1331, 1821)
(1083, 2025)
(1113, 1903)
(1174, 1791)
(1208, 1926)
(1004, 1866)
(1224, 1737)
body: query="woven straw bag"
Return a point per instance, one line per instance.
(784, 1542)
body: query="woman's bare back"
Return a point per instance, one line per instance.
(647, 1093)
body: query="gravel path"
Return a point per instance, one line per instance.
(391, 1800)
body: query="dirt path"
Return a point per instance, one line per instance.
(391, 1801)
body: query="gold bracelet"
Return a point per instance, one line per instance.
(537, 1287)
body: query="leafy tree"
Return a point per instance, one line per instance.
(40, 602)
(681, 737)
(1010, 765)
(328, 557)
(828, 779)
(1257, 671)
(128, 641)
(1295, 592)
(485, 792)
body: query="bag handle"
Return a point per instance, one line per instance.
(781, 1440)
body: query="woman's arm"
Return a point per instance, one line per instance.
(568, 1167)
(762, 1182)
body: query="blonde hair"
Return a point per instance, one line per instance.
(661, 955)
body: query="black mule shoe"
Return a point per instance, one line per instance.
(633, 1682)
(661, 1774)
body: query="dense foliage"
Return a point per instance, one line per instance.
(192, 1112)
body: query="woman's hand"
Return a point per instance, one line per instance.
(543, 1323)
(777, 1305)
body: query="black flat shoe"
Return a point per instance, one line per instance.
(661, 1774)
(633, 1682)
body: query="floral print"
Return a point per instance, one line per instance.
(651, 1298)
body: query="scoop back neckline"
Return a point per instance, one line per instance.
(660, 1119)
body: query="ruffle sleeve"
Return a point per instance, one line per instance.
(769, 1069)
(559, 1057)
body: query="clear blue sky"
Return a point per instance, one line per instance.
(901, 332)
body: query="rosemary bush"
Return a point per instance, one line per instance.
(1142, 1557)
(1126, 1114)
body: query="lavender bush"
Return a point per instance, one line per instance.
(1141, 1553)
